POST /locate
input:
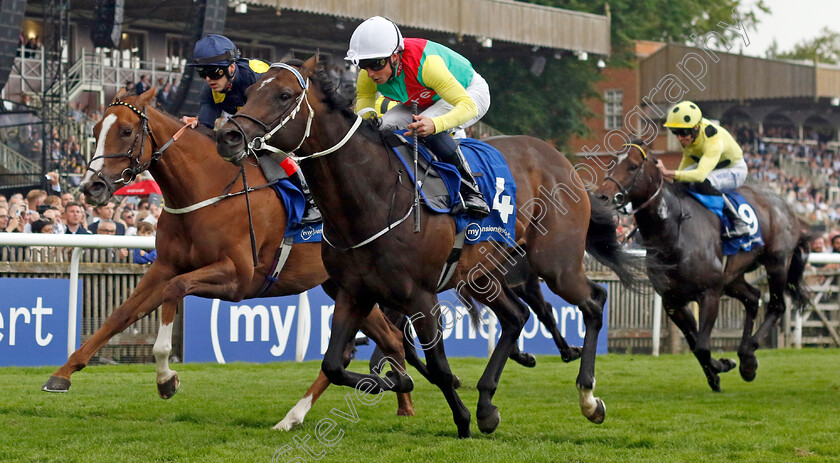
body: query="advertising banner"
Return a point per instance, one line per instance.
(268, 329)
(33, 321)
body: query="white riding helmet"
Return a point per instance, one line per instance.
(376, 37)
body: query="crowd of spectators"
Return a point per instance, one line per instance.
(40, 212)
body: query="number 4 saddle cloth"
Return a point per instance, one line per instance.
(441, 181)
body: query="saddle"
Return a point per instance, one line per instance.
(439, 181)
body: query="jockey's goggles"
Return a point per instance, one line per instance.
(375, 64)
(213, 72)
(682, 132)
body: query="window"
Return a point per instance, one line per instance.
(613, 113)
(263, 52)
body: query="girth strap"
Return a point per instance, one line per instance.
(280, 259)
(451, 261)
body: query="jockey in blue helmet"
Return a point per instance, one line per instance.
(217, 61)
(227, 76)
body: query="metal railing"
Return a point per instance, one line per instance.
(17, 163)
(102, 71)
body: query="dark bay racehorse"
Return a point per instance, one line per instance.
(375, 257)
(686, 263)
(206, 252)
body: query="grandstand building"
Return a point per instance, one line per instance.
(80, 54)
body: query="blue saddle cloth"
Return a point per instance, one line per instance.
(745, 210)
(496, 184)
(295, 203)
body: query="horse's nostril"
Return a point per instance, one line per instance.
(232, 137)
(604, 198)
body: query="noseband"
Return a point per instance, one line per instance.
(621, 198)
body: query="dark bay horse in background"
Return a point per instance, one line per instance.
(206, 252)
(686, 262)
(373, 257)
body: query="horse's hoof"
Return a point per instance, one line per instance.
(490, 423)
(572, 355)
(599, 413)
(402, 383)
(286, 425)
(56, 384)
(525, 359)
(726, 365)
(748, 368)
(169, 388)
(456, 382)
(714, 381)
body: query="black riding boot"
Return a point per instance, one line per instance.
(738, 226)
(447, 150)
(311, 214)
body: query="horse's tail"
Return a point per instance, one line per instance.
(602, 244)
(799, 293)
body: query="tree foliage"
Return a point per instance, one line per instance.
(551, 105)
(824, 48)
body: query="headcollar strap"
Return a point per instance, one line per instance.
(641, 150)
(301, 80)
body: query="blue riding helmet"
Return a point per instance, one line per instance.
(214, 50)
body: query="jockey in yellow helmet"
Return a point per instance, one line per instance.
(712, 159)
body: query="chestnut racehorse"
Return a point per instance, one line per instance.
(205, 252)
(685, 261)
(375, 257)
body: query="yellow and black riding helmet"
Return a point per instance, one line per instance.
(684, 115)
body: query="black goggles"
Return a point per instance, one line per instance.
(682, 132)
(213, 72)
(373, 64)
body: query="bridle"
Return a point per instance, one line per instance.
(621, 198)
(261, 143)
(135, 167)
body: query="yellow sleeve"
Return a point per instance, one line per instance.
(437, 77)
(712, 150)
(685, 162)
(365, 92)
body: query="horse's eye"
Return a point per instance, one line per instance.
(285, 96)
(633, 168)
(127, 132)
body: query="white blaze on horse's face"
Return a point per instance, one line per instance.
(266, 82)
(622, 157)
(662, 210)
(98, 161)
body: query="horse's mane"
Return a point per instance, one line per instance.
(340, 103)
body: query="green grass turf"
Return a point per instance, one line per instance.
(658, 409)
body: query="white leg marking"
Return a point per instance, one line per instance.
(162, 349)
(296, 415)
(100, 146)
(588, 401)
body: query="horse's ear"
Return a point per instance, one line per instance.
(120, 93)
(310, 65)
(147, 96)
